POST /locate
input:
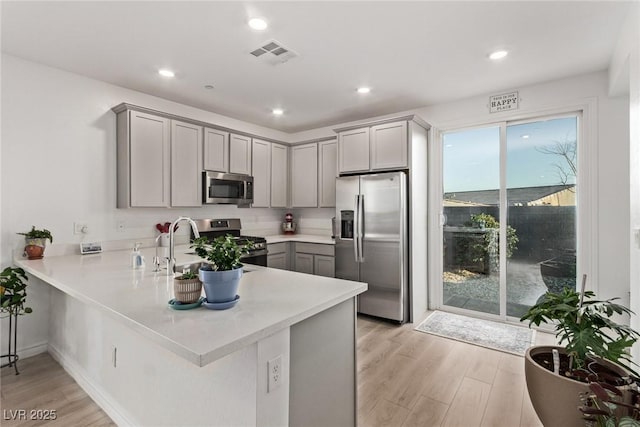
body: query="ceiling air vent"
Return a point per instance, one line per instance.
(274, 53)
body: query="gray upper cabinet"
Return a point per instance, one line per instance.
(353, 150)
(372, 148)
(216, 150)
(389, 146)
(327, 172)
(240, 154)
(304, 176)
(279, 175)
(159, 161)
(144, 144)
(261, 171)
(186, 161)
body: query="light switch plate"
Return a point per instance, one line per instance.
(90, 248)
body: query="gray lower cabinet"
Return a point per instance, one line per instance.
(309, 258)
(304, 263)
(278, 256)
(278, 261)
(314, 258)
(324, 265)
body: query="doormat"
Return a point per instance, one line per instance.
(485, 333)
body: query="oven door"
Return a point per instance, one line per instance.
(227, 188)
(256, 258)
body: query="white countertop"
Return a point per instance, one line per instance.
(270, 300)
(308, 238)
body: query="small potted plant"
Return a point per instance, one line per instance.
(35, 242)
(187, 287)
(594, 345)
(13, 291)
(221, 273)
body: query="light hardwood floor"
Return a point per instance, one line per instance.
(408, 378)
(44, 386)
(405, 378)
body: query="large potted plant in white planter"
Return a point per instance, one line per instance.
(595, 346)
(221, 274)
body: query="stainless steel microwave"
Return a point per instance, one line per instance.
(227, 188)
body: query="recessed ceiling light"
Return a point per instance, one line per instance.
(364, 89)
(498, 54)
(277, 111)
(525, 136)
(258, 24)
(166, 73)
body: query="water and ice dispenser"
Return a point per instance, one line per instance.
(346, 224)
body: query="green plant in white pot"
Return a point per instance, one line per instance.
(221, 273)
(595, 345)
(35, 242)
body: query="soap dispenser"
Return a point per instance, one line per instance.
(137, 259)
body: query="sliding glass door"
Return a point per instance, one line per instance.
(509, 205)
(471, 202)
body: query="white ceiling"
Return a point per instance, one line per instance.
(411, 54)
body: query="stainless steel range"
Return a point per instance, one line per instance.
(212, 228)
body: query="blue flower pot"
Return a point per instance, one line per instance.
(220, 286)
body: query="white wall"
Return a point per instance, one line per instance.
(611, 202)
(611, 167)
(626, 64)
(58, 157)
(58, 165)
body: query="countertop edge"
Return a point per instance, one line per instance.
(162, 341)
(270, 330)
(199, 359)
(303, 238)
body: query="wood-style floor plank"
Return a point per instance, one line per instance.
(406, 378)
(439, 381)
(469, 404)
(44, 385)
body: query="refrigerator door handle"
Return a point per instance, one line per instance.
(355, 227)
(361, 228)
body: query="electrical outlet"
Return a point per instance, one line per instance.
(120, 226)
(80, 228)
(274, 368)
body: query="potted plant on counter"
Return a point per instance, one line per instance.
(595, 347)
(35, 242)
(221, 273)
(187, 287)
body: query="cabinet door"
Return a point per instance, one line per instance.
(324, 266)
(261, 171)
(150, 157)
(389, 146)
(353, 150)
(239, 154)
(216, 150)
(327, 172)
(304, 263)
(279, 175)
(304, 176)
(186, 161)
(277, 261)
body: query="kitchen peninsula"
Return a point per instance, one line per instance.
(147, 364)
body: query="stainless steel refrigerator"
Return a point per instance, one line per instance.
(372, 241)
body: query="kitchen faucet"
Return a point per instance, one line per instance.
(171, 260)
(156, 259)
